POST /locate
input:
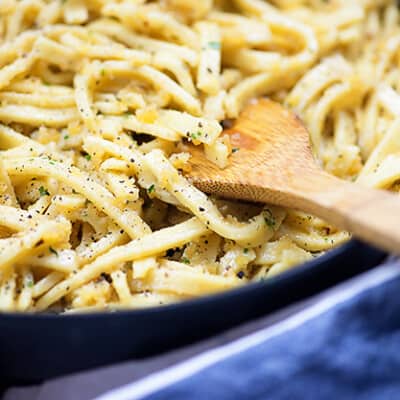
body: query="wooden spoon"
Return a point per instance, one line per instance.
(275, 165)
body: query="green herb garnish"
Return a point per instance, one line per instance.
(214, 45)
(196, 135)
(185, 260)
(151, 189)
(43, 191)
(269, 219)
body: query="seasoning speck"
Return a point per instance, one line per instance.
(43, 191)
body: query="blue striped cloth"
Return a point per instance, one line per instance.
(345, 346)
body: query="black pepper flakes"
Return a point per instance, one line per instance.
(240, 274)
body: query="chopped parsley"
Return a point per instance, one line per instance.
(269, 219)
(29, 282)
(66, 137)
(196, 135)
(185, 260)
(245, 251)
(53, 251)
(88, 157)
(43, 191)
(214, 45)
(151, 189)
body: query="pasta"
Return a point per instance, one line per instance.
(97, 101)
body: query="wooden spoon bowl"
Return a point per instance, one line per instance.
(274, 164)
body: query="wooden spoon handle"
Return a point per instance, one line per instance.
(370, 214)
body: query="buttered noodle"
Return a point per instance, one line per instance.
(97, 99)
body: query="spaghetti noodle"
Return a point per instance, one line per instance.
(97, 98)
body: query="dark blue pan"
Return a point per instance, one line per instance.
(38, 347)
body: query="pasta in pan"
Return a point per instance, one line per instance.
(98, 98)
